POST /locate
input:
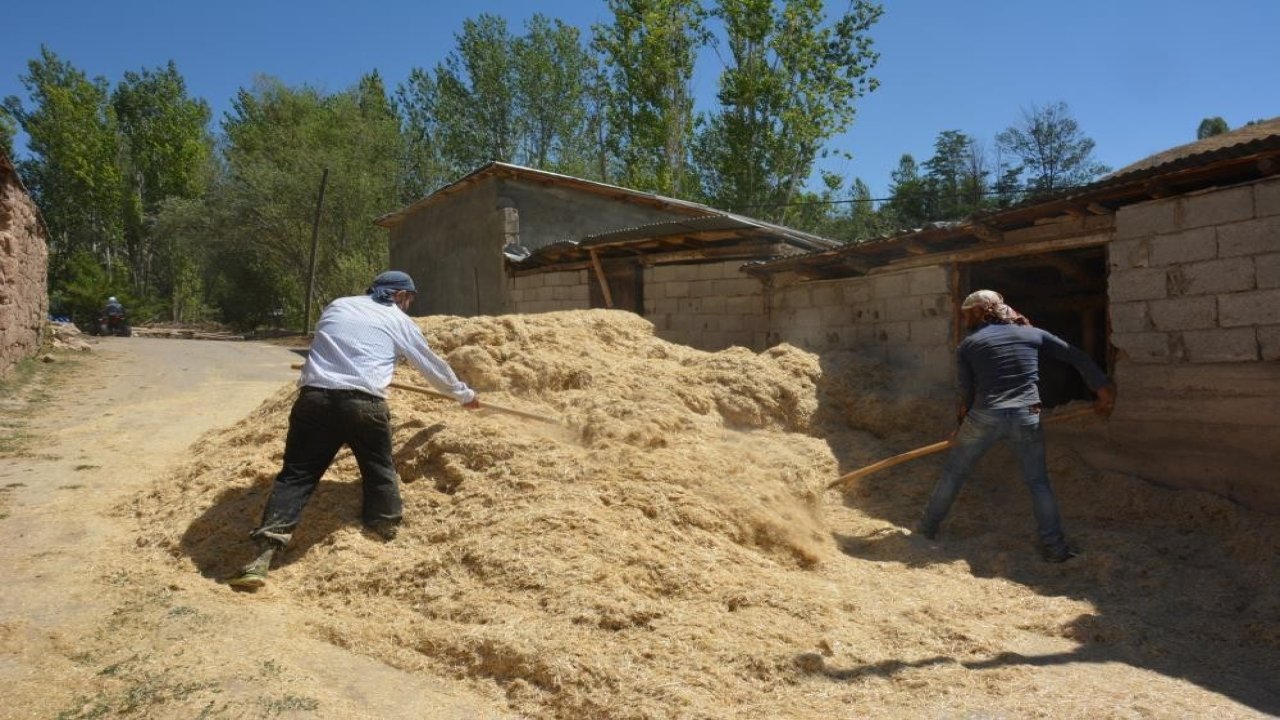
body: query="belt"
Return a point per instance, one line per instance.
(335, 392)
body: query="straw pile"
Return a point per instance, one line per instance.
(672, 553)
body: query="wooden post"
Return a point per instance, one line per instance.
(311, 264)
(604, 281)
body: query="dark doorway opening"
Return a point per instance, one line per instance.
(626, 285)
(1064, 292)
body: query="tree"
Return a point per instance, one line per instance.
(790, 84)
(1054, 152)
(476, 95)
(279, 139)
(650, 49)
(8, 131)
(955, 178)
(1211, 126)
(553, 72)
(73, 172)
(909, 204)
(422, 167)
(167, 151)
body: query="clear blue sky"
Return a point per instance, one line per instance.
(1139, 75)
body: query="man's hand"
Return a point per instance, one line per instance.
(474, 404)
(1105, 401)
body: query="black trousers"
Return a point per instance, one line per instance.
(320, 423)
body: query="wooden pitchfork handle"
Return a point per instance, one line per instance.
(931, 449)
(483, 404)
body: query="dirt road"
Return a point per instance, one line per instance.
(90, 627)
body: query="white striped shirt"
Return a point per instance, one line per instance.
(356, 345)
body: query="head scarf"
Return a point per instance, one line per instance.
(388, 284)
(994, 310)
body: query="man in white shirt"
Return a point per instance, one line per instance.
(342, 400)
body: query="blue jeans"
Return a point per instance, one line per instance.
(981, 429)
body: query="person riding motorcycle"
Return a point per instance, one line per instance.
(112, 321)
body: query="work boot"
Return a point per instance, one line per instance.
(254, 575)
(1058, 554)
(387, 530)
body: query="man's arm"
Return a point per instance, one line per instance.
(413, 347)
(1102, 386)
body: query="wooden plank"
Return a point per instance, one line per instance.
(736, 252)
(559, 267)
(988, 252)
(604, 280)
(988, 233)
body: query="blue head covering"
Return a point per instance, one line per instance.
(388, 284)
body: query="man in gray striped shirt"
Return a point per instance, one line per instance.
(342, 400)
(997, 367)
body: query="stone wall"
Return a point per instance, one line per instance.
(24, 258)
(903, 319)
(710, 306)
(550, 291)
(1195, 315)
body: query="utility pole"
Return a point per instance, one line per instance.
(311, 266)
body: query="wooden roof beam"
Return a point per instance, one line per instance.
(988, 233)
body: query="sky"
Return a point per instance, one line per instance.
(1138, 75)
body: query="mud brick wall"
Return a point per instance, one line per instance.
(902, 318)
(1195, 318)
(710, 306)
(24, 258)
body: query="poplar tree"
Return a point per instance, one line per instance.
(791, 82)
(649, 50)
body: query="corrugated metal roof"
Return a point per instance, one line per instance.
(1115, 190)
(709, 223)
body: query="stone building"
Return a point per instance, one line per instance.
(1167, 272)
(509, 239)
(24, 258)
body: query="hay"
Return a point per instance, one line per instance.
(673, 553)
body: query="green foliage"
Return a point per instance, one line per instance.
(167, 154)
(73, 172)
(554, 74)
(475, 91)
(791, 85)
(1211, 126)
(8, 130)
(910, 204)
(649, 50)
(1054, 152)
(524, 99)
(279, 140)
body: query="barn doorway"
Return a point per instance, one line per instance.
(1064, 292)
(626, 285)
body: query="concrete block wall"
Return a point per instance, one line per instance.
(24, 257)
(902, 318)
(710, 306)
(1197, 278)
(549, 292)
(1195, 313)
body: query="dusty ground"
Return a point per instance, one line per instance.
(91, 628)
(672, 554)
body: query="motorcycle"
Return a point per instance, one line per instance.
(116, 325)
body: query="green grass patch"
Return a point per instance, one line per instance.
(26, 390)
